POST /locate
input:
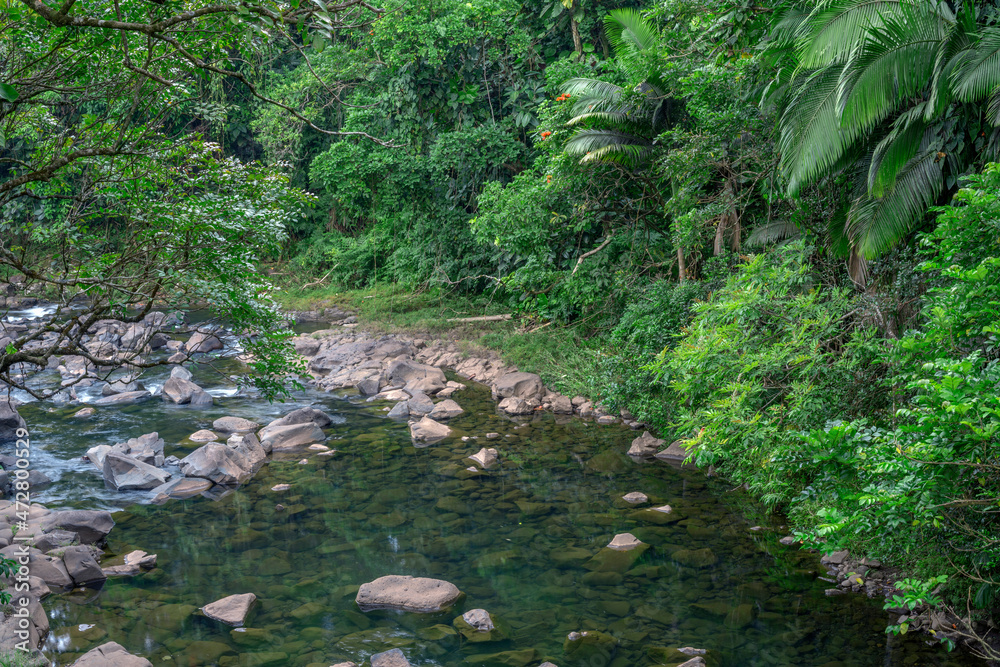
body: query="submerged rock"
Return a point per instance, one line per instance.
(405, 593)
(624, 542)
(180, 488)
(111, 654)
(485, 458)
(478, 625)
(231, 610)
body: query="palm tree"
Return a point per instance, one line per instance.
(616, 124)
(889, 93)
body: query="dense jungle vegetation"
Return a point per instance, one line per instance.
(774, 225)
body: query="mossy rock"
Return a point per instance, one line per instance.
(499, 632)
(517, 658)
(590, 648)
(612, 560)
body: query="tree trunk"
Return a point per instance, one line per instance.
(681, 266)
(575, 28)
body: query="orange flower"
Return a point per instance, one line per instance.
(548, 179)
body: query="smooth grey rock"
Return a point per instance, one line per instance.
(247, 445)
(81, 565)
(562, 405)
(111, 654)
(427, 430)
(399, 411)
(303, 416)
(518, 385)
(202, 341)
(446, 409)
(217, 462)
(419, 404)
(97, 453)
(91, 525)
(478, 619)
(203, 435)
(675, 452)
(180, 488)
(181, 373)
(126, 398)
(290, 437)
(231, 610)
(405, 593)
(416, 376)
(124, 473)
(635, 498)
(184, 392)
(234, 425)
(120, 387)
(369, 386)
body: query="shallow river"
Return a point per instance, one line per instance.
(518, 541)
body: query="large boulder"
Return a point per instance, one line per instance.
(303, 416)
(446, 409)
(675, 452)
(81, 565)
(124, 473)
(416, 376)
(645, 446)
(110, 655)
(517, 407)
(10, 422)
(518, 385)
(203, 340)
(217, 462)
(248, 446)
(185, 392)
(427, 430)
(234, 425)
(231, 610)
(91, 525)
(290, 437)
(405, 593)
(125, 398)
(147, 448)
(121, 386)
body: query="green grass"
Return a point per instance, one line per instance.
(566, 357)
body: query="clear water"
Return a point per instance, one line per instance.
(516, 540)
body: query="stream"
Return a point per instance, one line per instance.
(518, 540)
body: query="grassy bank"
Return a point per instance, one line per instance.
(566, 357)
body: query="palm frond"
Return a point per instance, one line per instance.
(629, 32)
(977, 70)
(812, 139)
(894, 63)
(772, 232)
(895, 150)
(619, 120)
(590, 140)
(876, 223)
(594, 88)
(836, 27)
(627, 155)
